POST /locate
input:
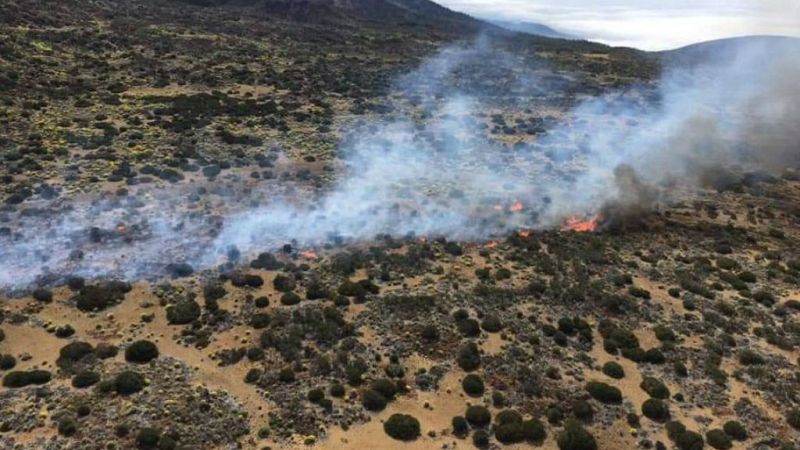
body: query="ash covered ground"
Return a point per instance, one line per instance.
(323, 225)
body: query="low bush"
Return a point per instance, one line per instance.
(613, 370)
(478, 416)
(129, 382)
(402, 427)
(141, 352)
(575, 437)
(603, 392)
(718, 439)
(655, 409)
(735, 430)
(22, 378)
(473, 385)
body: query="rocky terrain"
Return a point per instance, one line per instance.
(136, 135)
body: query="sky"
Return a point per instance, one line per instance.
(646, 24)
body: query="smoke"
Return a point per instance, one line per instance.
(444, 163)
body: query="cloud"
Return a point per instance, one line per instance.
(647, 24)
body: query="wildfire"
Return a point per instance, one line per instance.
(491, 244)
(516, 207)
(579, 225)
(524, 233)
(308, 254)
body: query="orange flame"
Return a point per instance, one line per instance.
(578, 225)
(516, 207)
(491, 244)
(524, 233)
(308, 254)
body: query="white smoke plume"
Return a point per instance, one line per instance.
(432, 168)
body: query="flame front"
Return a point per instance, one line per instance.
(579, 225)
(308, 254)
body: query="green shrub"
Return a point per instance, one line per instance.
(718, 439)
(664, 333)
(750, 358)
(351, 289)
(469, 357)
(735, 430)
(507, 416)
(793, 418)
(183, 312)
(460, 426)
(491, 324)
(43, 295)
(7, 362)
(469, 327)
(480, 439)
(473, 385)
(603, 392)
(689, 440)
(509, 433)
(72, 353)
(142, 351)
(613, 370)
(315, 395)
(533, 430)
(67, 426)
(654, 387)
(128, 382)
(282, 283)
(147, 438)
(387, 388)
(575, 437)
(337, 390)
(655, 409)
(582, 409)
(20, 378)
(430, 333)
(373, 400)
(402, 427)
(478, 416)
(85, 379)
(106, 351)
(290, 299)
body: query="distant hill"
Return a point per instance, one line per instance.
(404, 12)
(720, 49)
(537, 29)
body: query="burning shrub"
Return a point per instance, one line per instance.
(142, 351)
(402, 427)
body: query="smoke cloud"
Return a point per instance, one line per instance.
(441, 164)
